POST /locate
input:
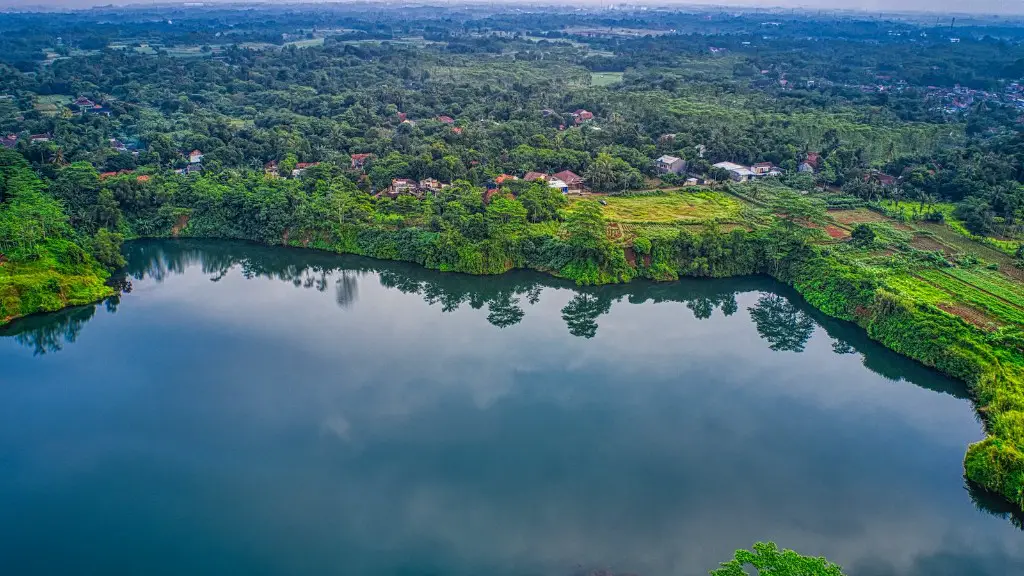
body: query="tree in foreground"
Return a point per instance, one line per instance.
(768, 560)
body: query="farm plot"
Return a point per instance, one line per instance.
(950, 237)
(974, 296)
(682, 207)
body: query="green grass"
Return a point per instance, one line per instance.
(669, 207)
(45, 285)
(961, 292)
(605, 78)
(913, 210)
(991, 282)
(306, 43)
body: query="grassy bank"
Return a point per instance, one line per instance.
(60, 275)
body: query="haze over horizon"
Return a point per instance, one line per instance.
(980, 7)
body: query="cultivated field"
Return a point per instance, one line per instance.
(673, 207)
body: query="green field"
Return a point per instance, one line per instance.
(306, 43)
(605, 78)
(673, 207)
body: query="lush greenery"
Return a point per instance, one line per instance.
(44, 266)
(305, 120)
(768, 560)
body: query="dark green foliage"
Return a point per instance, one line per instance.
(106, 248)
(862, 235)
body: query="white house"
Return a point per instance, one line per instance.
(736, 172)
(559, 185)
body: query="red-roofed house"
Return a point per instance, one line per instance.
(572, 180)
(195, 157)
(582, 115)
(456, 130)
(446, 119)
(531, 176)
(301, 168)
(504, 178)
(402, 117)
(9, 141)
(142, 178)
(358, 160)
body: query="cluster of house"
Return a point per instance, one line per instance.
(740, 173)
(408, 186)
(11, 140)
(579, 116)
(129, 147)
(195, 164)
(85, 106)
(273, 169)
(565, 181)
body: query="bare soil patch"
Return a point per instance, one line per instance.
(970, 315)
(179, 225)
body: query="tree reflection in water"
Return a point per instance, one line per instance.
(782, 324)
(782, 319)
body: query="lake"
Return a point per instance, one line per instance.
(255, 410)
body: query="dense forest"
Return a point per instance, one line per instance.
(874, 163)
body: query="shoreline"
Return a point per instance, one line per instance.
(993, 464)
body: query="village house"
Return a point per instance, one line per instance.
(401, 186)
(301, 168)
(534, 176)
(736, 172)
(582, 115)
(118, 145)
(195, 157)
(359, 160)
(189, 170)
(98, 110)
(39, 138)
(881, 178)
(499, 180)
(573, 182)
(9, 141)
(810, 163)
(432, 184)
(559, 185)
(271, 169)
(83, 103)
(761, 168)
(670, 164)
(446, 119)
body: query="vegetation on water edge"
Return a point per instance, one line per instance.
(905, 301)
(768, 560)
(44, 266)
(288, 134)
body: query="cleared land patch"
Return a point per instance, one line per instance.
(666, 207)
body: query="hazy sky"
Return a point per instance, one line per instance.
(974, 6)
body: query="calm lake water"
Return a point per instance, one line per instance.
(254, 410)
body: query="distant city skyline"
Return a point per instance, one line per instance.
(978, 7)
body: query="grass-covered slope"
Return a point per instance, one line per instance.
(42, 266)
